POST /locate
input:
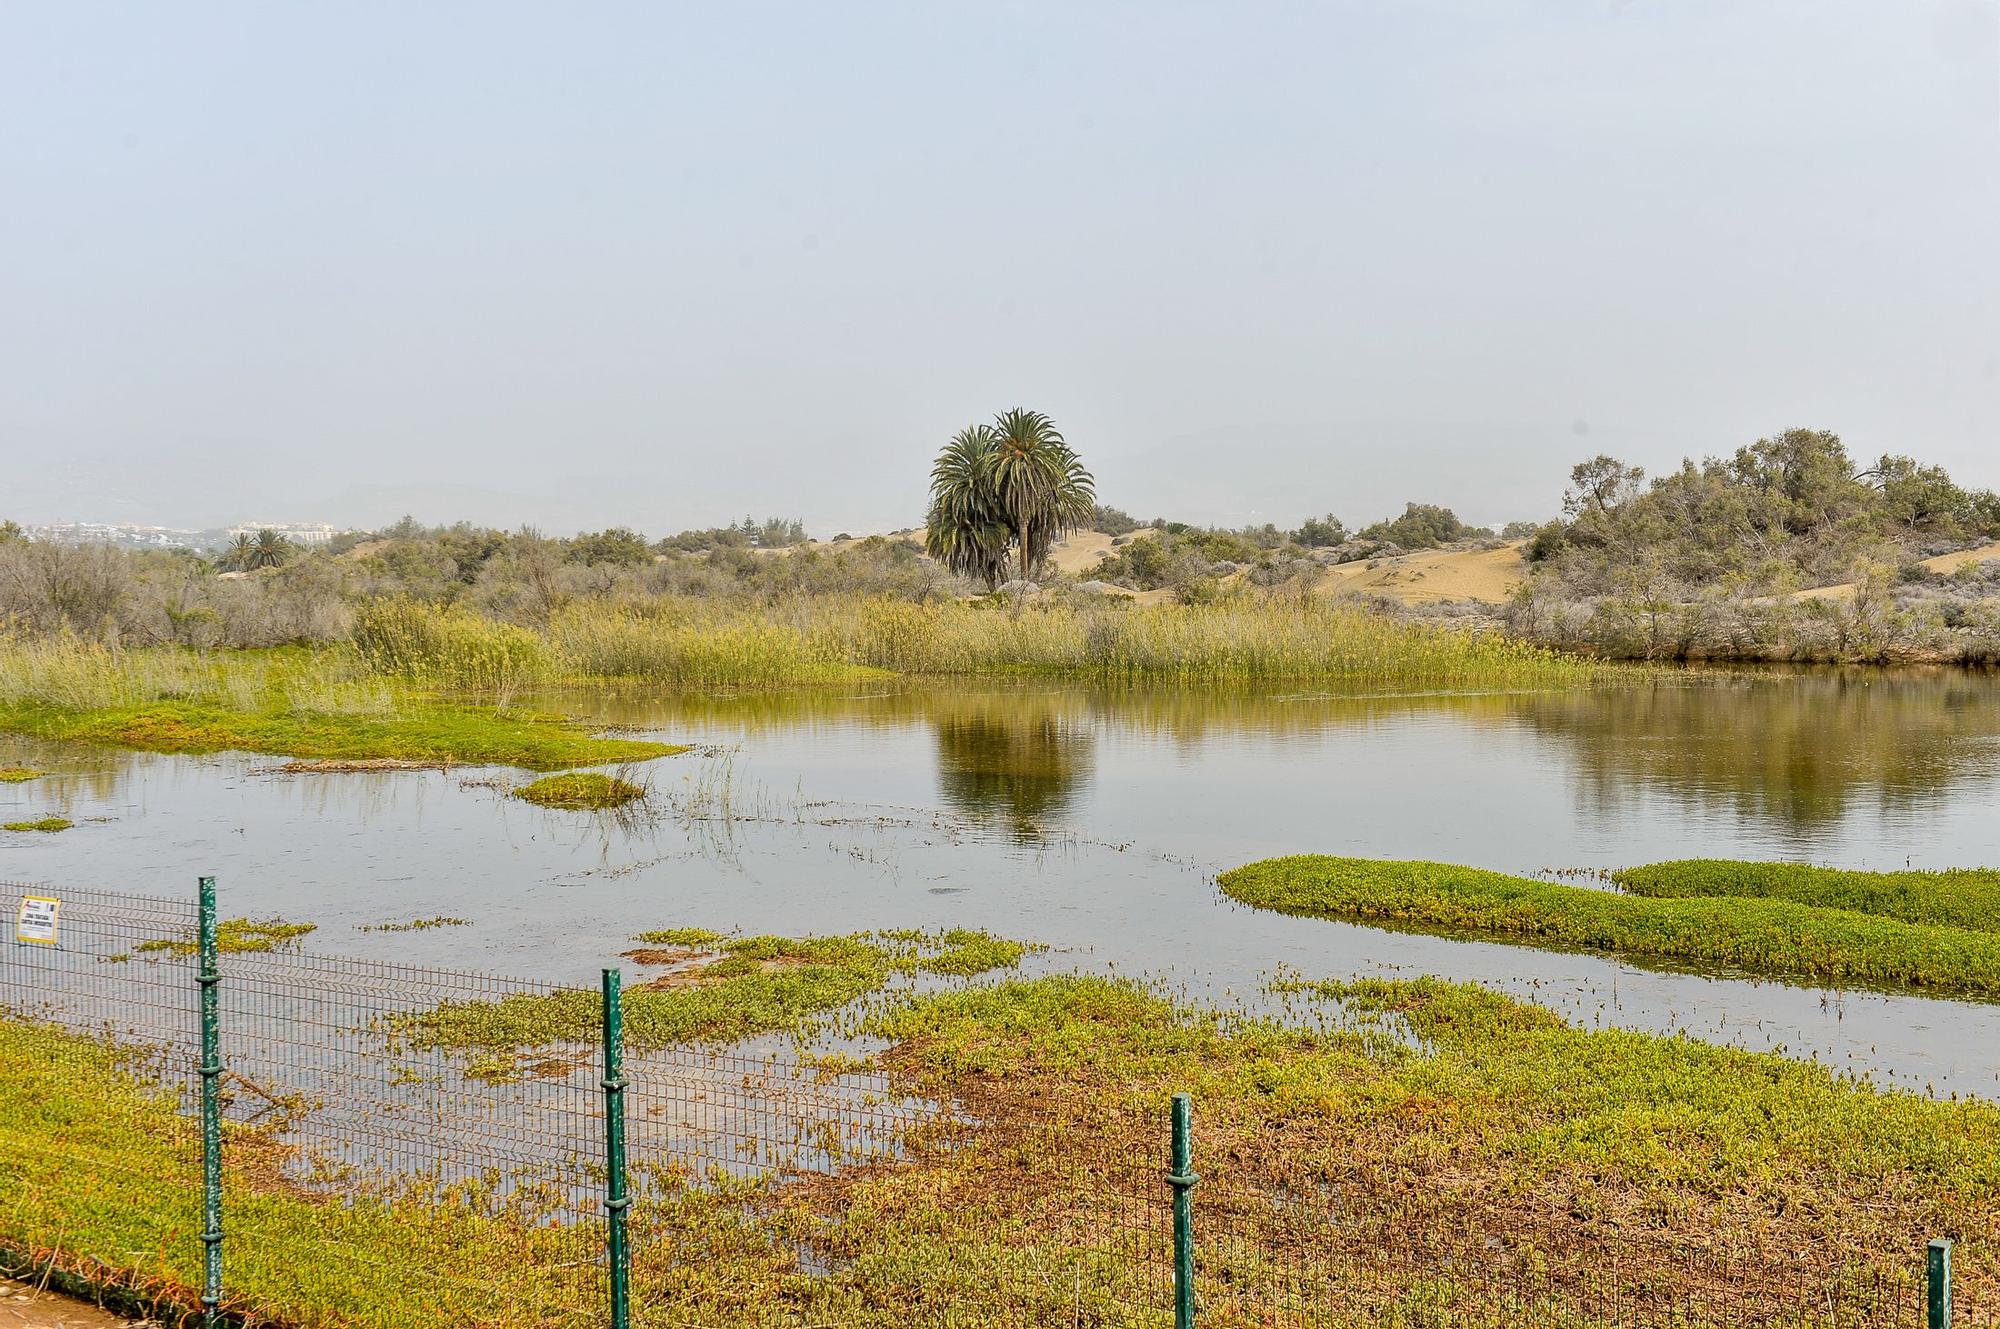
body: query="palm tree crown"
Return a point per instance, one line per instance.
(1014, 485)
(270, 549)
(242, 550)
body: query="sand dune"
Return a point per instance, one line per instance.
(1944, 564)
(1430, 575)
(1423, 577)
(1079, 552)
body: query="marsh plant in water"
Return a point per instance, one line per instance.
(581, 791)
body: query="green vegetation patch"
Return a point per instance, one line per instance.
(435, 732)
(1453, 1159)
(1758, 936)
(48, 824)
(233, 936)
(1448, 1125)
(581, 791)
(720, 991)
(17, 775)
(100, 1165)
(1955, 897)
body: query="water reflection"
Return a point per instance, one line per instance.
(1793, 752)
(1021, 760)
(1103, 813)
(1797, 751)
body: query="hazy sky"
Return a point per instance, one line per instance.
(658, 264)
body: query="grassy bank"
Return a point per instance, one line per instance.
(1956, 897)
(324, 704)
(1754, 935)
(1455, 1159)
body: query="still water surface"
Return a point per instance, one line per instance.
(1093, 821)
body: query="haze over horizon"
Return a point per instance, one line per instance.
(660, 267)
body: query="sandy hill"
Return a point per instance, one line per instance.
(1423, 577)
(1944, 564)
(1429, 575)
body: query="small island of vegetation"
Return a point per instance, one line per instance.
(1704, 924)
(580, 791)
(43, 824)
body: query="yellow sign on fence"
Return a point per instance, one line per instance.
(37, 922)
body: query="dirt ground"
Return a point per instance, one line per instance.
(22, 1306)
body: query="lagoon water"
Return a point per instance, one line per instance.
(1093, 821)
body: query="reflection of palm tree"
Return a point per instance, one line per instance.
(1022, 762)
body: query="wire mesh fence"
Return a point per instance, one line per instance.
(383, 1165)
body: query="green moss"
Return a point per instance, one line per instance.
(582, 791)
(17, 775)
(234, 936)
(752, 985)
(432, 732)
(49, 824)
(1759, 936)
(1957, 897)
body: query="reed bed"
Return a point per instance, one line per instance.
(329, 703)
(703, 643)
(79, 674)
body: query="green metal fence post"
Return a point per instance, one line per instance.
(211, 1111)
(1182, 1178)
(1938, 1300)
(616, 1201)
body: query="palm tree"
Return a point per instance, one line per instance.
(240, 552)
(1014, 484)
(1041, 486)
(270, 549)
(965, 529)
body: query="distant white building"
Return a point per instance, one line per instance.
(111, 533)
(298, 532)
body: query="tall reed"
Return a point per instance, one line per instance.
(1238, 642)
